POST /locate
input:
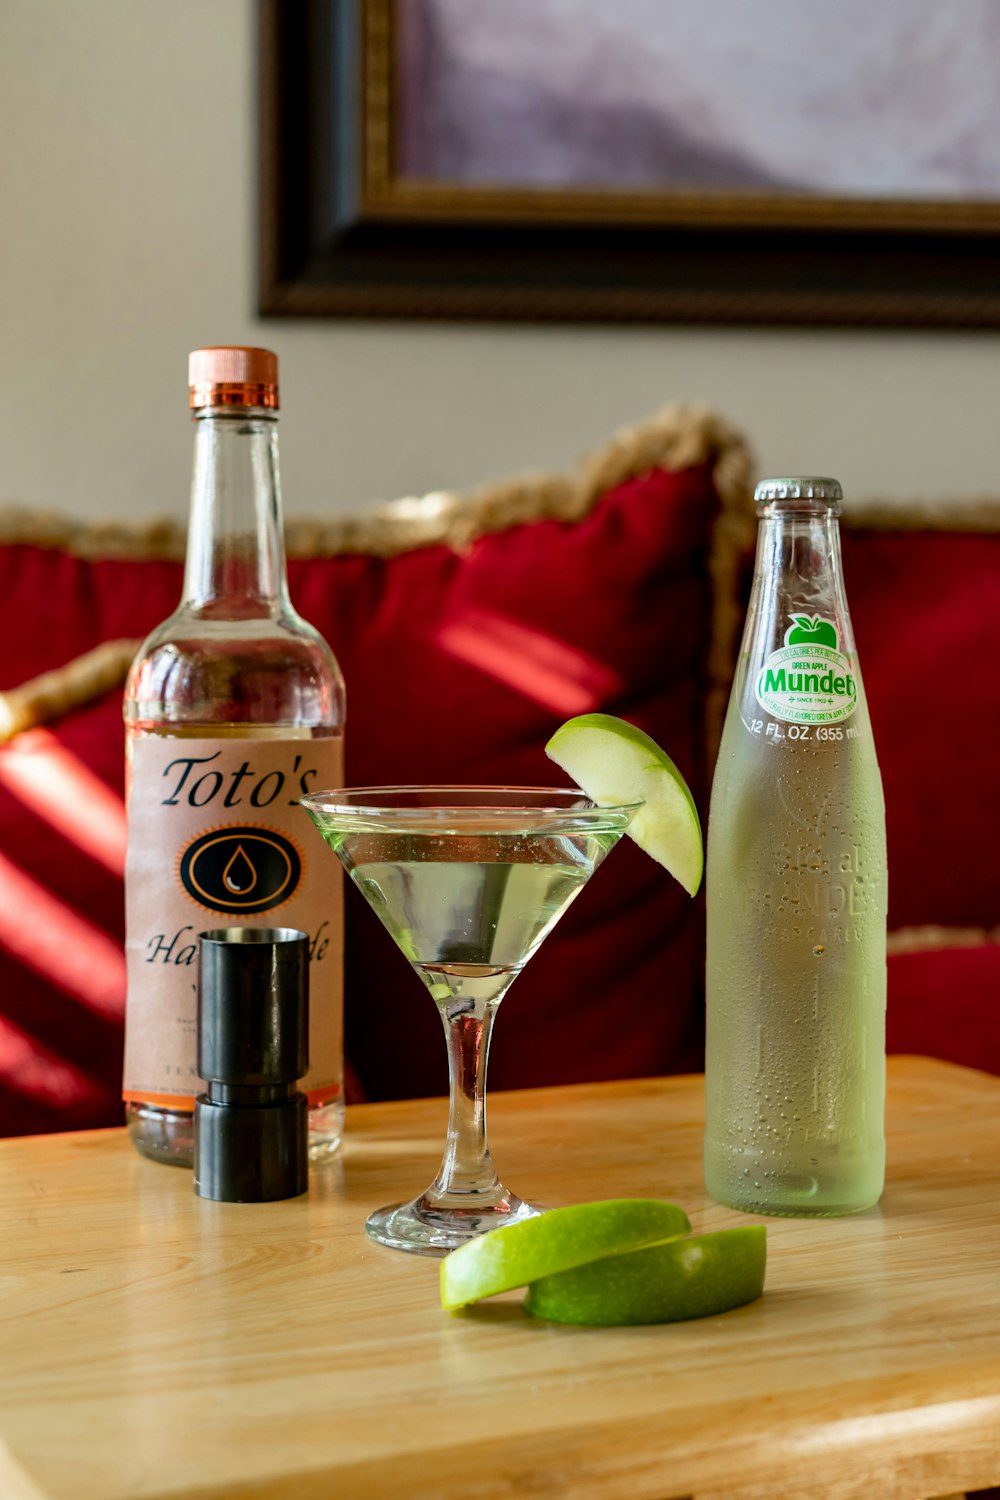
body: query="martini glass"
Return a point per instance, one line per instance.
(468, 880)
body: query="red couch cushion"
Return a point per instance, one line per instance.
(950, 996)
(459, 667)
(925, 607)
(925, 604)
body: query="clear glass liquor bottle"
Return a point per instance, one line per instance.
(796, 890)
(230, 698)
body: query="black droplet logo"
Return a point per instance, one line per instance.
(240, 869)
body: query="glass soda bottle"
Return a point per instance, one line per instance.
(234, 708)
(796, 890)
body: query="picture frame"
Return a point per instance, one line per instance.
(345, 234)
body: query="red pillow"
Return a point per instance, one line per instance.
(459, 666)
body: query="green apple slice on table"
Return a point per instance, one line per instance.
(696, 1277)
(556, 1241)
(613, 762)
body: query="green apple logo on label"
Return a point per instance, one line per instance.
(811, 630)
(240, 869)
(808, 681)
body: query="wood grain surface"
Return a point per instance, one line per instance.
(152, 1344)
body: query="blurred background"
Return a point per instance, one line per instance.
(128, 176)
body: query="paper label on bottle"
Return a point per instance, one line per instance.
(809, 680)
(217, 838)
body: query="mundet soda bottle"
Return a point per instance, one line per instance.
(796, 889)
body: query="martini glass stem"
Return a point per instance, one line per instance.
(466, 1177)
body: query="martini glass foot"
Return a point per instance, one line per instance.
(425, 1228)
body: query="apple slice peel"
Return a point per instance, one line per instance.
(696, 1277)
(559, 1240)
(613, 761)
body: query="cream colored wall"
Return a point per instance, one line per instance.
(127, 185)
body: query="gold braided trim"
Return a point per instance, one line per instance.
(92, 540)
(924, 515)
(454, 519)
(66, 687)
(925, 939)
(680, 436)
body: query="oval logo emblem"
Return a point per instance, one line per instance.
(808, 680)
(240, 869)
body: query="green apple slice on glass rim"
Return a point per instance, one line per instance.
(613, 761)
(517, 1254)
(697, 1277)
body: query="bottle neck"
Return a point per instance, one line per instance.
(798, 573)
(235, 549)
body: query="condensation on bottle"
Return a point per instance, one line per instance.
(796, 889)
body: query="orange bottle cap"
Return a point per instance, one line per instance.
(232, 375)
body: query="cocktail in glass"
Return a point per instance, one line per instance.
(468, 880)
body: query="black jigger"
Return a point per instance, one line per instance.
(250, 1128)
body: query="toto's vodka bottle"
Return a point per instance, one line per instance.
(234, 707)
(795, 1058)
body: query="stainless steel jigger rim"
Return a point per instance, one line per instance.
(272, 935)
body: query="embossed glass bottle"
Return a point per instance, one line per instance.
(796, 890)
(234, 708)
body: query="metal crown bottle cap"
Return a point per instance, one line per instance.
(232, 375)
(800, 487)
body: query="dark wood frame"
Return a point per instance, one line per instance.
(342, 236)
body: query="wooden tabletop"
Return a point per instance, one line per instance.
(152, 1344)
